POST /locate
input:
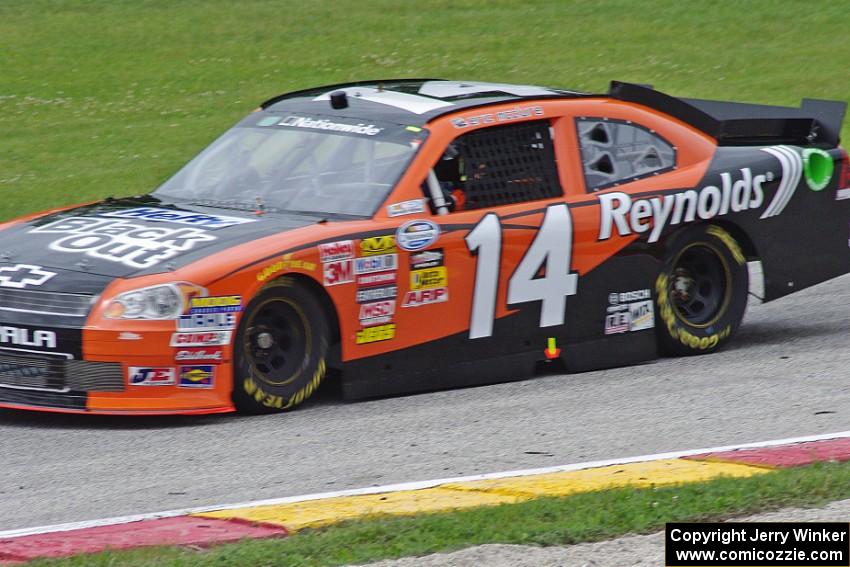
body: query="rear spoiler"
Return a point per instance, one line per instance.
(735, 123)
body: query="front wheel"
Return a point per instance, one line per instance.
(281, 349)
(701, 291)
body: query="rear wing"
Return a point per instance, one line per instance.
(734, 123)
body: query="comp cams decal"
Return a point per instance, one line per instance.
(22, 275)
(134, 245)
(629, 311)
(178, 217)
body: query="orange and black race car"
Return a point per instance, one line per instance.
(422, 234)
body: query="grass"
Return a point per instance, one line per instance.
(110, 97)
(590, 516)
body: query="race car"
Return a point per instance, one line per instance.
(418, 234)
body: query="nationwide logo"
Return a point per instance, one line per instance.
(134, 245)
(26, 337)
(736, 192)
(178, 217)
(22, 275)
(319, 124)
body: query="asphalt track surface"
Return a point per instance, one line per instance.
(785, 375)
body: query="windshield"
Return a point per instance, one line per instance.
(301, 164)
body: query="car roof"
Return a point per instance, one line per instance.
(410, 101)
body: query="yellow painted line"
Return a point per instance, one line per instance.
(322, 512)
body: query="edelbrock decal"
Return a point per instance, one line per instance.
(178, 217)
(133, 245)
(22, 275)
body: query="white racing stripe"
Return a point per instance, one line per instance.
(792, 169)
(417, 485)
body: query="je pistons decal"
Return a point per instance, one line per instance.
(160, 376)
(134, 245)
(417, 234)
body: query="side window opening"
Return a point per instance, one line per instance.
(499, 165)
(615, 151)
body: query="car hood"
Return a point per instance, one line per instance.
(134, 236)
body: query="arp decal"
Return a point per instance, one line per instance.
(199, 354)
(151, 376)
(412, 207)
(337, 272)
(377, 245)
(333, 251)
(206, 322)
(425, 297)
(196, 376)
(215, 304)
(22, 275)
(285, 263)
(417, 234)
(376, 293)
(426, 259)
(375, 334)
(17, 336)
(201, 339)
(178, 217)
(372, 264)
(428, 278)
(377, 312)
(134, 245)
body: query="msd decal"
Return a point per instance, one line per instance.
(134, 245)
(178, 217)
(333, 251)
(22, 275)
(736, 192)
(377, 313)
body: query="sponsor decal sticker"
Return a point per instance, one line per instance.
(339, 272)
(428, 278)
(194, 354)
(134, 245)
(377, 312)
(285, 263)
(375, 334)
(376, 293)
(379, 278)
(25, 337)
(412, 207)
(629, 311)
(210, 338)
(146, 376)
(372, 264)
(417, 234)
(321, 124)
(178, 217)
(22, 275)
(425, 296)
(128, 336)
(215, 304)
(333, 251)
(517, 113)
(641, 316)
(196, 376)
(377, 245)
(426, 259)
(206, 322)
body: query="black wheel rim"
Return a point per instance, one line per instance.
(699, 285)
(276, 342)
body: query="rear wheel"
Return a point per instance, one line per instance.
(281, 349)
(701, 292)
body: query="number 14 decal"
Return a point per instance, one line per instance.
(551, 250)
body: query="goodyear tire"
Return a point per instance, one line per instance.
(701, 292)
(281, 349)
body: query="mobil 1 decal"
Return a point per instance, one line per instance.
(729, 191)
(550, 251)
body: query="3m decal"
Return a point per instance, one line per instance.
(215, 304)
(375, 334)
(377, 245)
(25, 337)
(629, 311)
(212, 338)
(22, 275)
(134, 245)
(333, 251)
(376, 293)
(379, 278)
(338, 272)
(426, 259)
(552, 248)
(196, 376)
(142, 376)
(198, 354)
(377, 312)
(428, 278)
(425, 297)
(372, 264)
(285, 263)
(206, 322)
(412, 207)
(178, 217)
(417, 234)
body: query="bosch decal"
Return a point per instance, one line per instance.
(376, 293)
(212, 338)
(425, 297)
(338, 272)
(375, 264)
(206, 321)
(417, 234)
(145, 376)
(215, 304)
(134, 245)
(196, 376)
(333, 251)
(22, 275)
(178, 217)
